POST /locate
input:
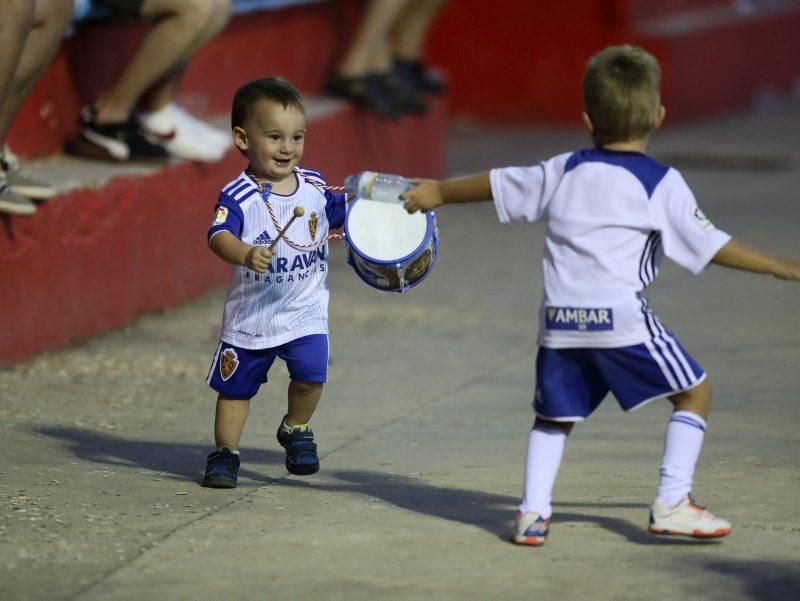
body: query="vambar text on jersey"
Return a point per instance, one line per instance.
(579, 318)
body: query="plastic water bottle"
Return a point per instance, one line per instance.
(382, 187)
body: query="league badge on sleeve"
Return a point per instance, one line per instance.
(701, 220)
(221, 216)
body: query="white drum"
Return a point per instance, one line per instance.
(388, 248)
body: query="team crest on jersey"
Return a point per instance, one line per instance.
(579, 318)
(221, 216)
(228, 362)
(312, 226)
(701, 220)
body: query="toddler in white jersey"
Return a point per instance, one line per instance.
(612, 214)
(277, 304)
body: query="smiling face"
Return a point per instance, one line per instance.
(272, 138)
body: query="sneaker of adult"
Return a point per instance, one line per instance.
(687, 518)
(214, 135)
(13, 203)
(116, 142)
(23, 183)
(181, 139)
(419, 76)
(530, 529)
(401, 94)
(366, 92)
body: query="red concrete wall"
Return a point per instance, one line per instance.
(523, 60)
(92, 260)
(508, 60)
(254, 45)
(725, 68)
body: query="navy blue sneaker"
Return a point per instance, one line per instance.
(222, 468)
(301, 451)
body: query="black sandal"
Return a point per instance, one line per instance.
(366, 92)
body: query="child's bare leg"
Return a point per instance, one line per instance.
(294, 434)
(303, 399)
(545, 448)
(682, 443)
(696, 400)
(229, 421)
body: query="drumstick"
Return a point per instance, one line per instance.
(298, 212)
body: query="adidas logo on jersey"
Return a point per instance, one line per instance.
(582, 319)
(263, 239)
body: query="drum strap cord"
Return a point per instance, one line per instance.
(317, 184)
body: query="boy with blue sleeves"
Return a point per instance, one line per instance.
(277, 303)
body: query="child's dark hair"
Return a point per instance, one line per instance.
(273, 89)
(621, 94)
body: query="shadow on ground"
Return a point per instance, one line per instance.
(179, 461)
(488, 511)
(761, 580)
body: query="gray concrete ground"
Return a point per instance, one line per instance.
(423, 426)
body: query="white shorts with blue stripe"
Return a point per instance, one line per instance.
(572, 382)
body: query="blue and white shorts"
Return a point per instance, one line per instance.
(572, 382)
(238, 373)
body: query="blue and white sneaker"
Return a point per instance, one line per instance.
(301, 451)
(222, 469)
(530, 529)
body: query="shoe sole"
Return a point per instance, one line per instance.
(33, 192)
(300, 470)
(218, 482)
(15, 209)
(719, 533)
(528, 541)
(87, 150)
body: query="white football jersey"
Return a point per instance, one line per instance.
(290, 300)
(611, 217)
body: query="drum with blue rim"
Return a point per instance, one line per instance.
(388, 248)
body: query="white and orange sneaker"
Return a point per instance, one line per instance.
(687, 518)
(530, 529)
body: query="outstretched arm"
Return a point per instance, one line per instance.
(429, 194)
(740, 256)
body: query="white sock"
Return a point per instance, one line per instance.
(545, 449)
(289, 429)
(682, 443)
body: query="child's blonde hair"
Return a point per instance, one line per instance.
(622, 94)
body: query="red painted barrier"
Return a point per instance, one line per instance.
(523, 60)
(520, 61)
(298, 43)
(94, 259)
